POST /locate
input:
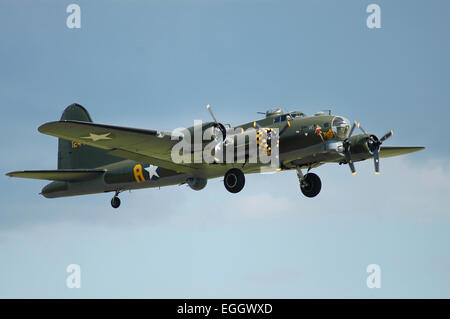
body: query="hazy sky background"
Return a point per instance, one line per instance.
(156, 64)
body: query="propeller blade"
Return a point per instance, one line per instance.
(362, 129)
(211, 112)
(352, 129)
(218, 126)
(259, 130)
(352, 167)
(386, 136)
(349, 160)
(348, 156)
(259, 127)
(288, 124)
(376, 160)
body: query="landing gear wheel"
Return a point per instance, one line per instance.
(234, 180)
(310, 185)
(115, 202)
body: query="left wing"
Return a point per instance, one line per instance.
(389, 151)
(317, 155)
(71, 175)
(131, 143)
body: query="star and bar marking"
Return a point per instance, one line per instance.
(138, 171)
(97, 137)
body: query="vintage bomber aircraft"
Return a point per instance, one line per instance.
(96, 158)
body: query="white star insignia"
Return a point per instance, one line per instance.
(97, 137)
(152, 171)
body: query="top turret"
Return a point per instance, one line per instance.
(274, 112)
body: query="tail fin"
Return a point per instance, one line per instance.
(73, 155)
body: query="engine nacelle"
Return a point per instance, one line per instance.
(197, 183)
(362, 147)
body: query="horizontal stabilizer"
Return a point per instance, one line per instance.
(69, 175)
(130, 143)
(388, 151)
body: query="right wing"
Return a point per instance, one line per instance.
(131, 143)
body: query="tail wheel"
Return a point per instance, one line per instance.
(310, 185)
(234, 180)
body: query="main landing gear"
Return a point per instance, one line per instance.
(310, 183)
(115, 201)
(234, 180)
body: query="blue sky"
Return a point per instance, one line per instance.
(156, 64)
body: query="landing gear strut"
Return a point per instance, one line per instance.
(115, 201)
(234, 180)
(310, 183)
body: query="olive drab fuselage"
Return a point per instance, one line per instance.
(301, 132)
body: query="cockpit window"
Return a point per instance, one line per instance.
(297, 114)
(341, 127)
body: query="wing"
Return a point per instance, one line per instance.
(131, 143)
(316, 155)
(389, 151)
(71, 175)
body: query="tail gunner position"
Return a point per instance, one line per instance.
(97, 158)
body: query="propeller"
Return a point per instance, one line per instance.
(258, 127)
(217, 125)
(347, 145)
(288, 124)
(211, 112)
(374, 145)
